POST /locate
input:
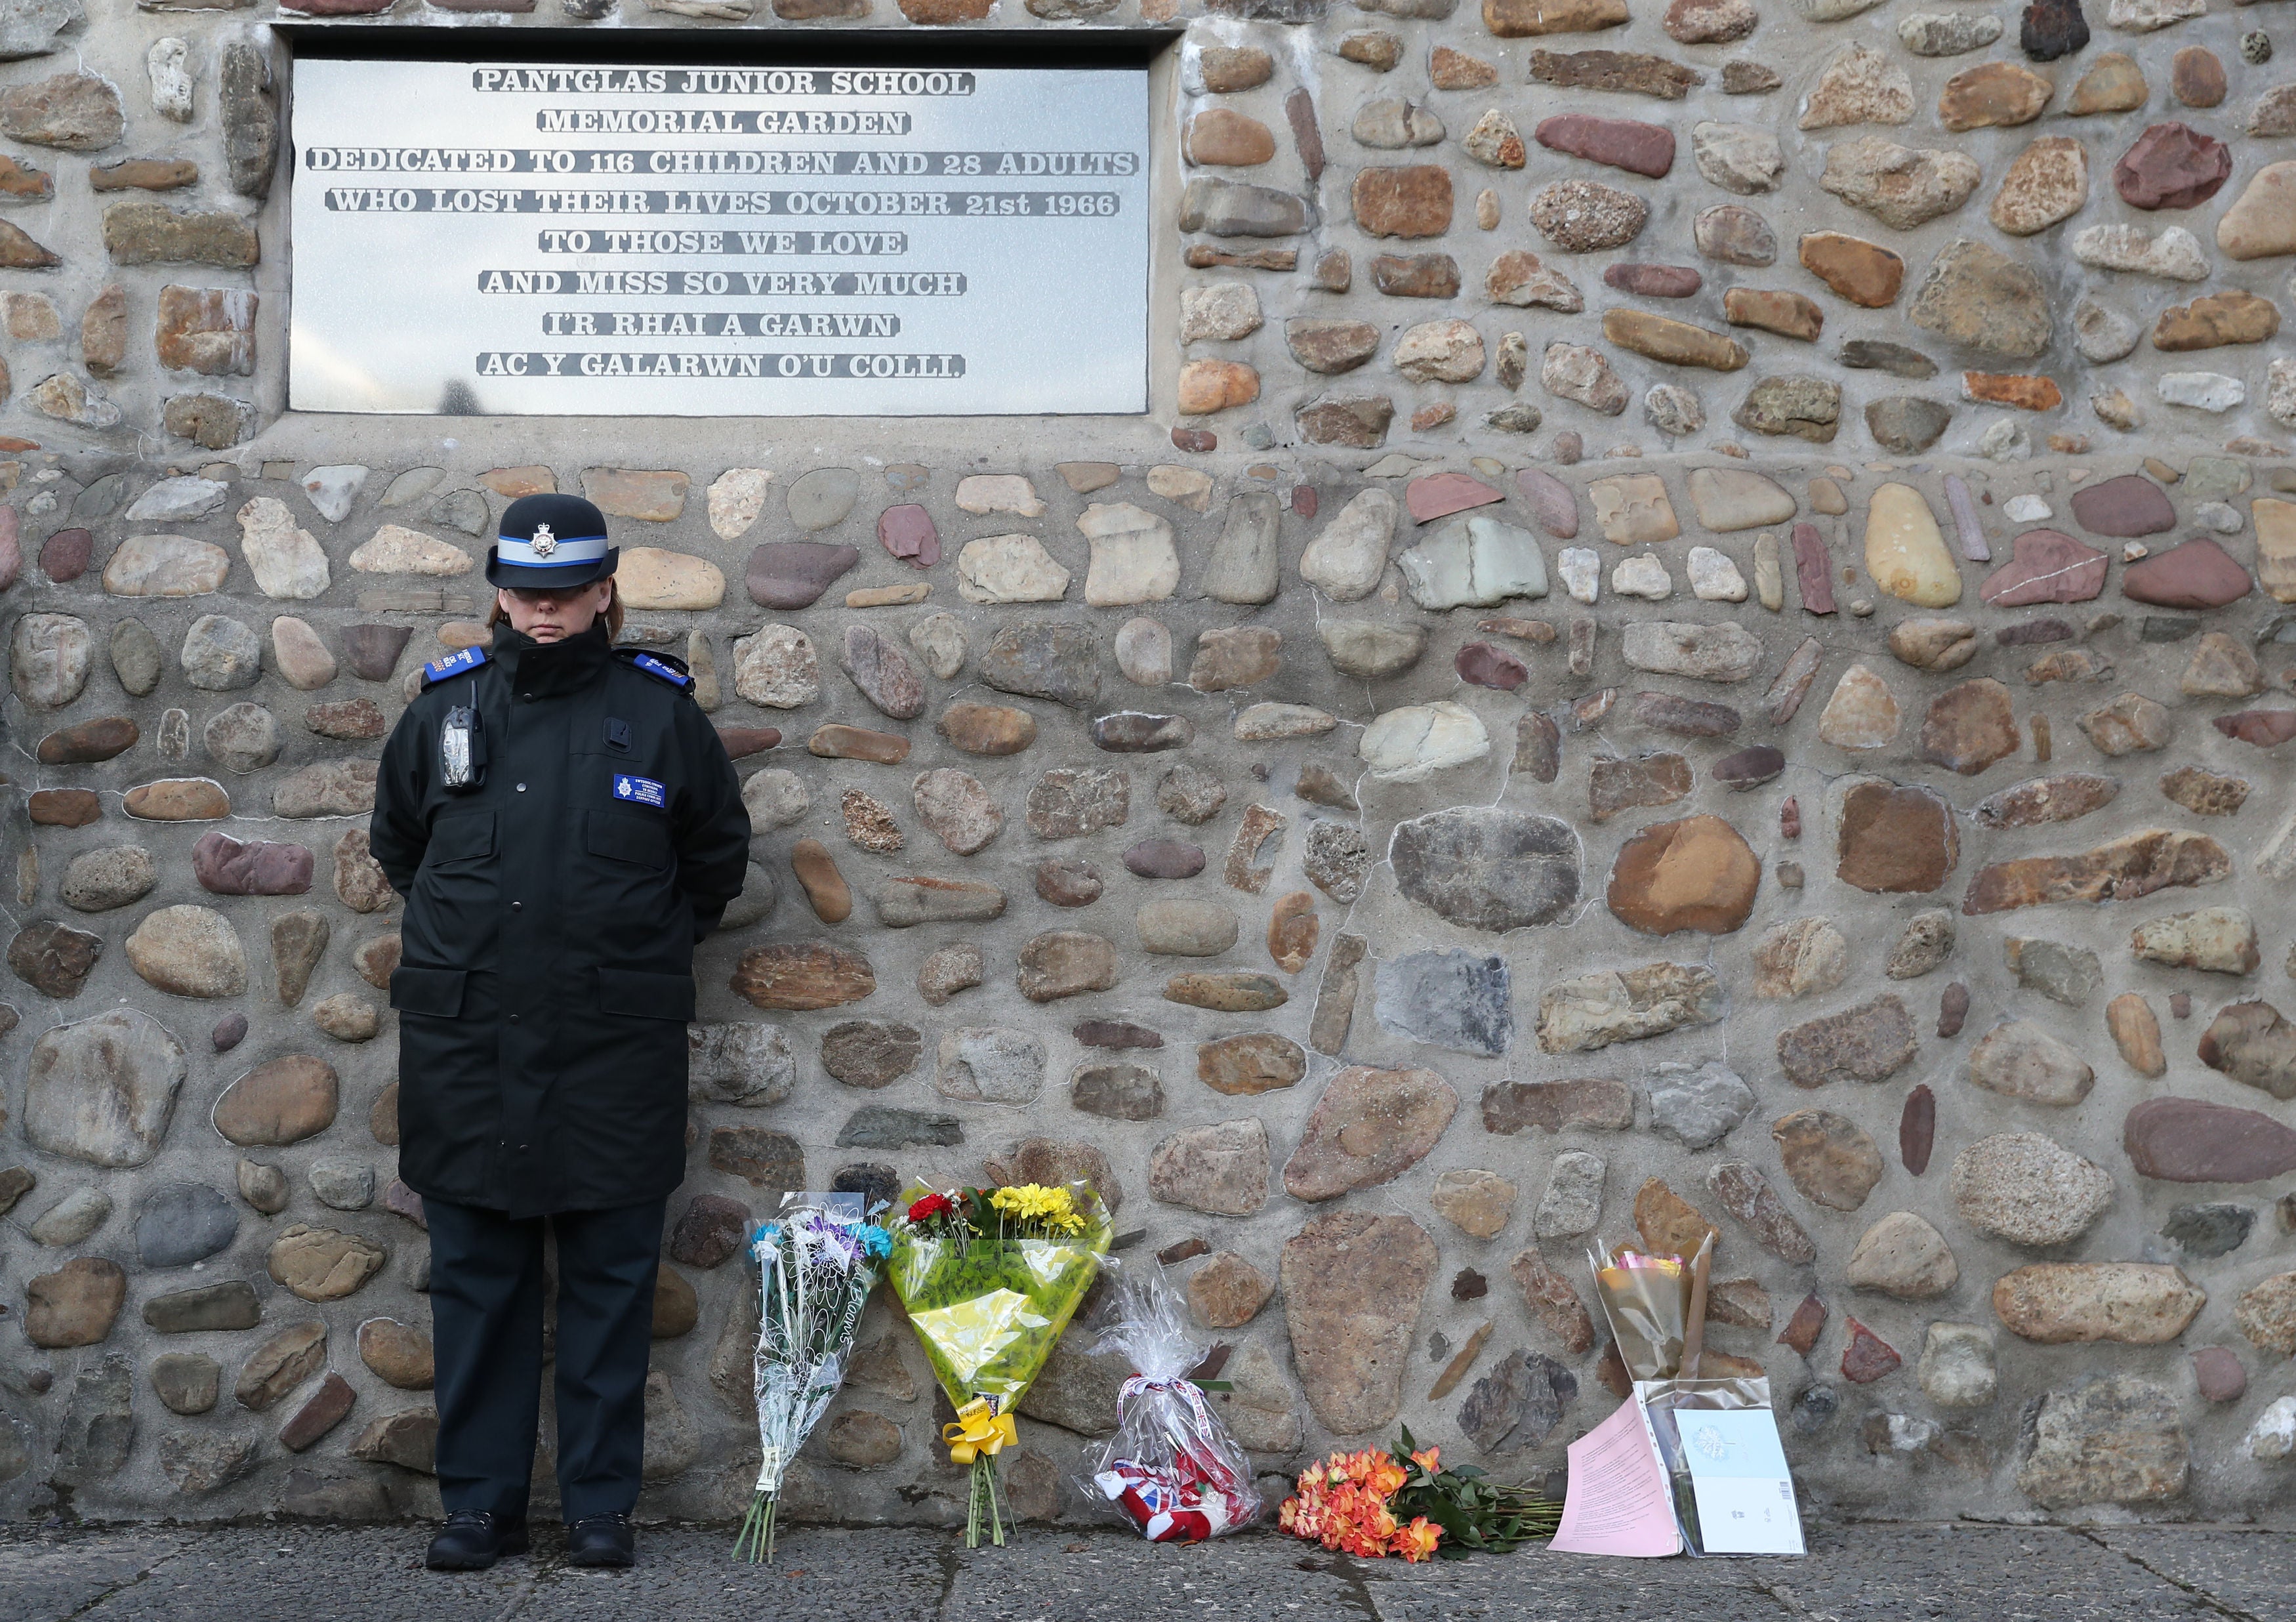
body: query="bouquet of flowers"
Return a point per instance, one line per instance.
(1171, 1468)
(817, 1262)
(990, 1277)
(1354, 1503)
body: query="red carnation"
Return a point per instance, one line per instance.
(929, 1208)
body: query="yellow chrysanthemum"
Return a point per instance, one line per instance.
(1034, 1202)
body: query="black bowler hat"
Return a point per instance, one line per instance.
(550, 542)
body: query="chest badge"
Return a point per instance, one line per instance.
(640, 791)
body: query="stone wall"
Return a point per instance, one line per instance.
(1519, 754)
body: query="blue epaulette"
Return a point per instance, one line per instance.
(661, 667)
(453, 664)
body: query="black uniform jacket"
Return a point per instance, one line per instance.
(548, 951)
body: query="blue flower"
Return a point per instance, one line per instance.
(768, 1234)
(876, 1241)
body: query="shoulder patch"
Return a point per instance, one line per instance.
(660, 667)
(453, 664)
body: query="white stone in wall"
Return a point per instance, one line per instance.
(1009, 569)
(164, 566)
(1133, 557)
(2175, 254)
(1741, 158)
(2273, 1436)
(984, 493)
(736, 497)
(1581, 568)
(1222, 312)
(2146, 16)
(284, 559)
(777, 667)
(1346, 561)
(179, 500)
(1411, 744)
(1642, 576)
(70, 401)
(168, 64)
(2203, 390)
(333, 489)
(398, 550)
(1449, 350)
(1714, 577)
(1476, 562)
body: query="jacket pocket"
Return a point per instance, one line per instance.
(435, 992)
(464, 838)
(641, 840)
(645, 996)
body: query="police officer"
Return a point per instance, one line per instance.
(564, 825)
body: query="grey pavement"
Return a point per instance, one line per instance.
(1859, 1573)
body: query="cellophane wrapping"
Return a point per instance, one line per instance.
(1172, 1470)
(817, 1261)
(989, 1311)
(1664, 1401)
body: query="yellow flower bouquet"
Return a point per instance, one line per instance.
(989, 1278)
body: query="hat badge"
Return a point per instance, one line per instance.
(544, 543)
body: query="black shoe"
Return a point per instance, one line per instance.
(601, 1540)
(474, 1540)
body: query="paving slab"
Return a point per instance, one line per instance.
(294, 1572)
(2251, 1573)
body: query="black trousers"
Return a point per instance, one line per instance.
(486, 1333)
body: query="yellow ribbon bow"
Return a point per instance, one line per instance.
(979, 1430)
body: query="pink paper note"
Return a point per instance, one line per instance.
(1617, 1504)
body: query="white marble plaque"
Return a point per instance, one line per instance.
(524, 239)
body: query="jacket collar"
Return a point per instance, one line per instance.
(551, 669)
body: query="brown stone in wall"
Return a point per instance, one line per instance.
(1627, 71)
(77, 112)
(1224, 136)
(1450, 69)
(210, 421)
(21, 183)
(145, 175)
(1411, 201)
(1896, 839)
(803, 975)
(1352, 1286)
(19, 252)
(104, 331)
(1416, 276)
(1369, 1127)
(1549, 1295)
(209, 330)
(153, 234)
(1360, 424)
(1862, 272)
(1529, 19)
(2122, 870)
